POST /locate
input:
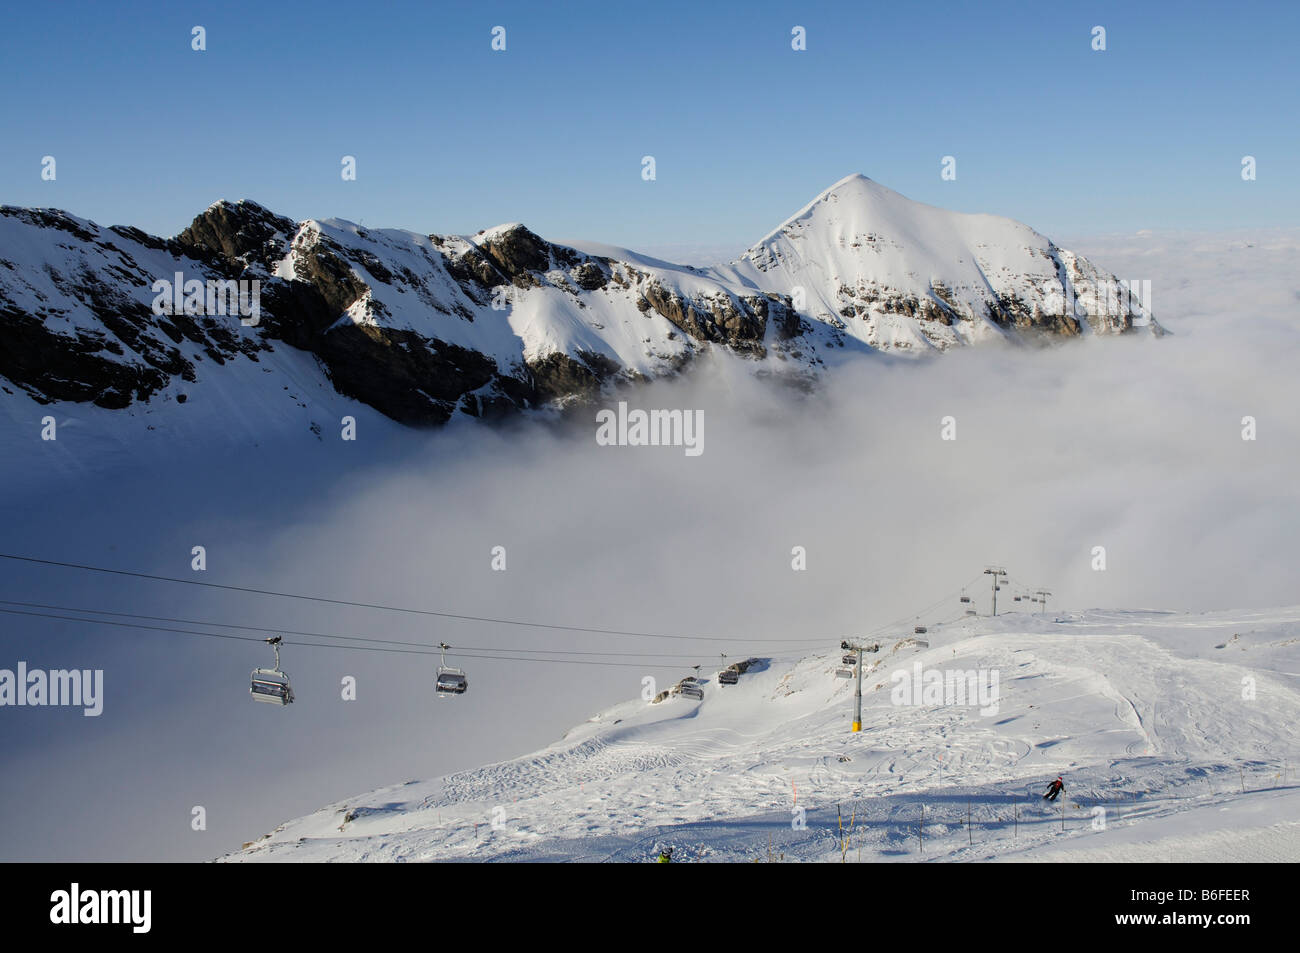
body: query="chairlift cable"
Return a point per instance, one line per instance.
(326, 635)
(370, 605)
(321, 645)
(377, 642)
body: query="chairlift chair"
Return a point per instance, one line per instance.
(920, 630)
(849, 659)
(689, 686)
(450, 680)
(965, 598)
(728, 676)
(844, 673)
(271, 685)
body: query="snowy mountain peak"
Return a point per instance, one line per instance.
(857, 204)
(496, 231)
(899, 274)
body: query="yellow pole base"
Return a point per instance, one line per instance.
(857, 726)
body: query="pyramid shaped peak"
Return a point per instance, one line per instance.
(852, 179)
(855, 186)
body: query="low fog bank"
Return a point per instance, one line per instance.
(1132, 445)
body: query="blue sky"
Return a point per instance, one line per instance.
(450, 136)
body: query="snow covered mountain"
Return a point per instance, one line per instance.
(1174, 734)
(897, 274)
(423, 327)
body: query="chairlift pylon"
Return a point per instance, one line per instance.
(450, 680)
(271, 685)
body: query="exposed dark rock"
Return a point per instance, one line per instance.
(420, 382)
(243, 232)
(474, 269)
(52, 367)
(516, 252)
(716, 320)
(324, 267)
(50, 218)
(560, 377)
(590, 276)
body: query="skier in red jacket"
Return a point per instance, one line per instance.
(1053, 789)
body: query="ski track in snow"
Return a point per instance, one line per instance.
(1142, 712)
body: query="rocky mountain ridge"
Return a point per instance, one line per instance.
(424, 327)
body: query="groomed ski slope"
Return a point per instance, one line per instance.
(1142, 711)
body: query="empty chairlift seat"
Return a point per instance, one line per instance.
(449, 681)
(271, 685)
(689, 687)
(728, 676)
(920, 630)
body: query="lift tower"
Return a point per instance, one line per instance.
(857, 694)
(997, 573)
